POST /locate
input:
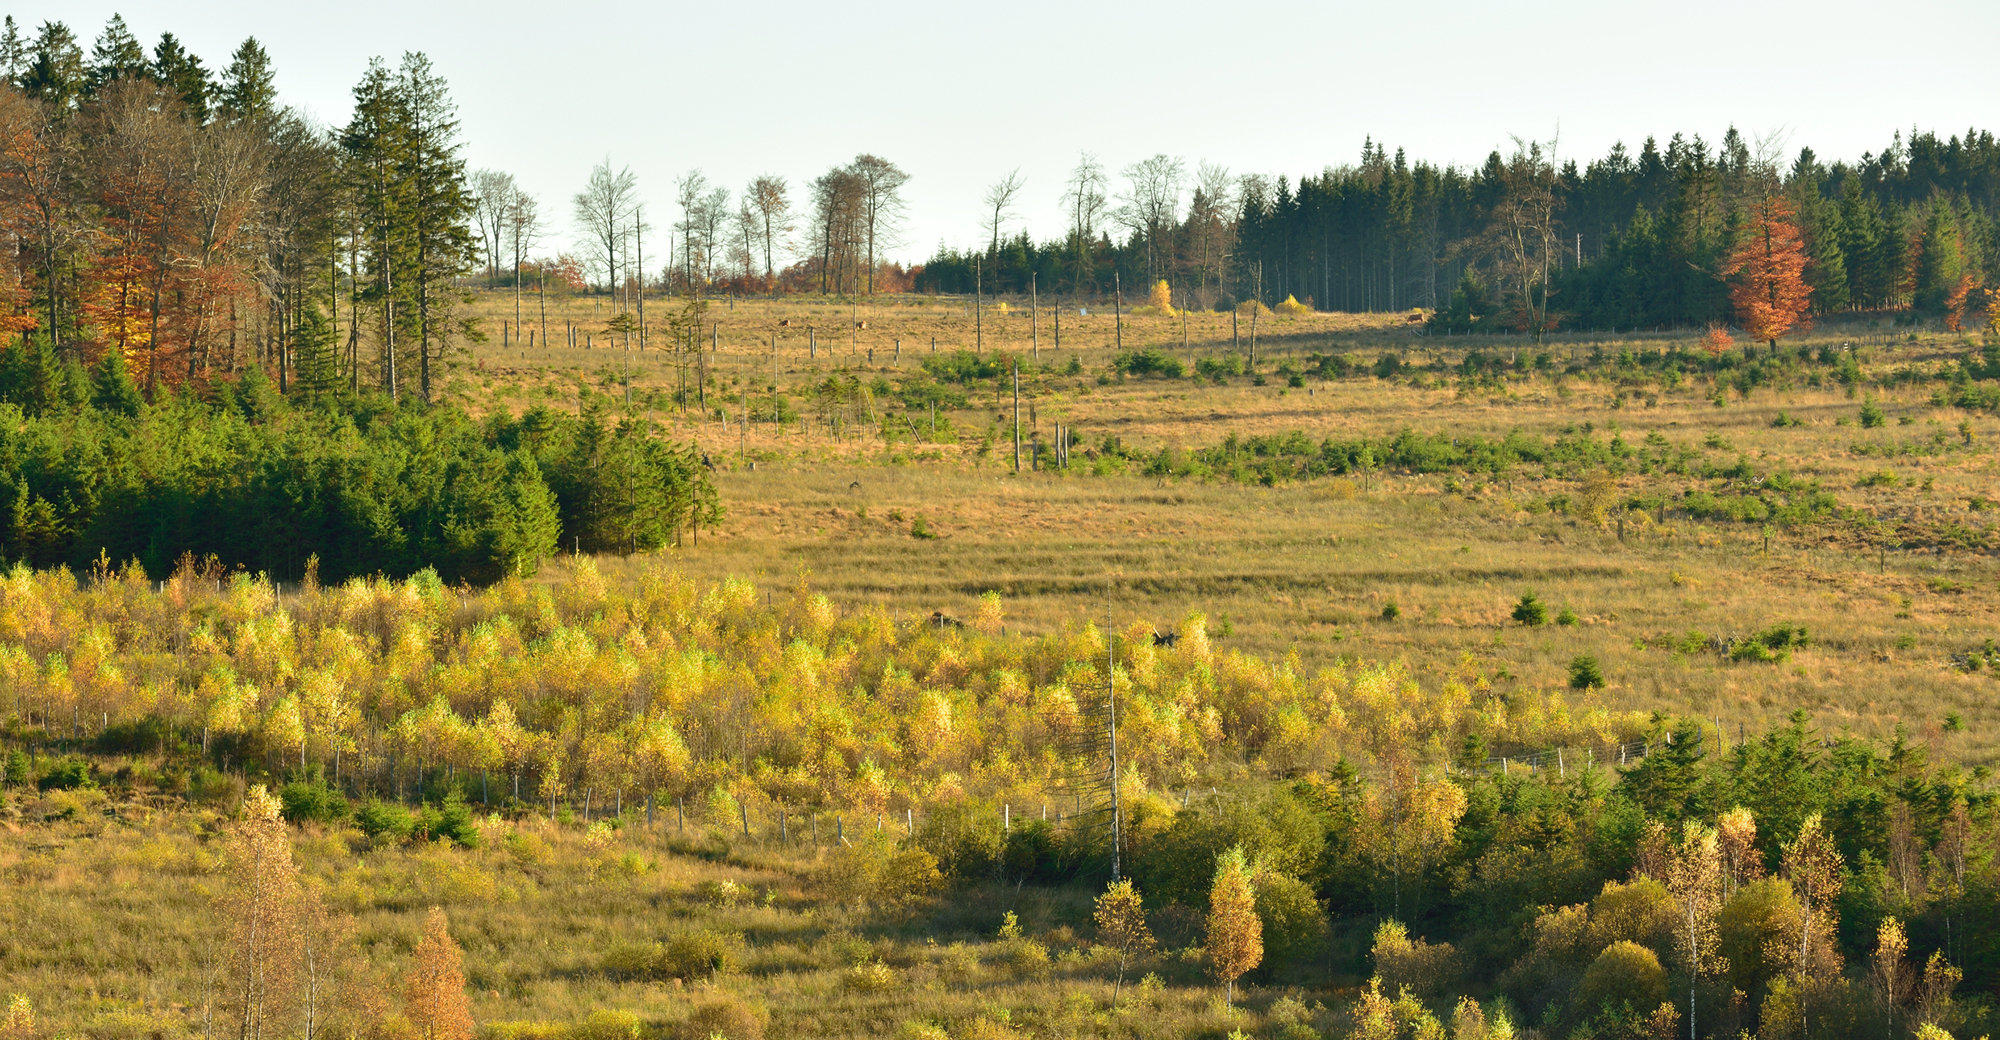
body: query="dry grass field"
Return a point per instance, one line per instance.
(1307, 566)
(109, 926)
(593, 928)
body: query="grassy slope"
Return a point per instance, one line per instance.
(1307, 569)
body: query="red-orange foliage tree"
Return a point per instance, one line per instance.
(435, 994)
(1770, 292)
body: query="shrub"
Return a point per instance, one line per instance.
(874, 869)
(964, 840)
(450, 820)
(699, 953)
(1531, 611)
(388, 820)
(1148, 363)
(1425, 968)
(872, 977)
(17, 768)
(1584, 673)
(303, 800)
(1291, 305)
(725, 1017)
(1390, 611)
(1771, 646)
(1626, 973)
(1295, 927)
(921, 528)
(67, 775)
(605, 1025)
(1566, 618)
(1871, 416)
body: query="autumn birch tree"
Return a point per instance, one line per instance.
(259, 905)
(1736, 839)
(1121, 925)
(1890, 968)
(1813, 866)
(1694, 878)
(1235, 935)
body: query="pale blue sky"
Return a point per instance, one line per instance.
(960, 94)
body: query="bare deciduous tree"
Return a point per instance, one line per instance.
(492, 195)
(1000, 199)
(690, 189)
(603, 210)
(1083, 203)
(523, 227)
(771, 197)
(1523, 233)
(1151, 206)
(879, 192)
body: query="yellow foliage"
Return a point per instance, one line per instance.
(1291, 305)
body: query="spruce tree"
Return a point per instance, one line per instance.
(1862, 247)
(1827, 273)
(56, 72)
(441, 206)
(1940, 261)
(248, 90)
(13, 52)
(112, 388)
(181, 72)
(375, 141)
(313, 355)
(117, 55)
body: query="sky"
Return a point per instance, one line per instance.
(958, 95)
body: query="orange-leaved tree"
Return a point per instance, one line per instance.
(260, 905)
(1235, 934)
(1770, 293)
(435, 993)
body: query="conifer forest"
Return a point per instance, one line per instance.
(1549, 598)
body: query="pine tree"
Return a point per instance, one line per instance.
(434, 994)
(1770, 294)
(1235, 935)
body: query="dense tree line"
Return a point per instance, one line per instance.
(1527, 239)
(90, 472)
(192, 224)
